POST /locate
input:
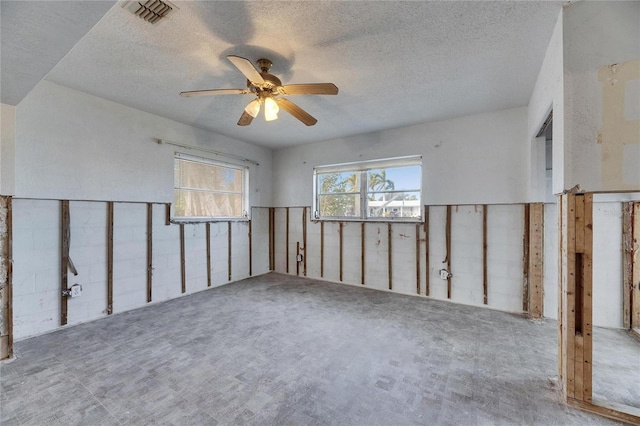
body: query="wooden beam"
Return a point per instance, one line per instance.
(149, 252)
(362, 248)
(110, 257)
(304, 241)
(297, 262)
(167, 214)
(485, 280)
(340, 231)
(183, 269)
(65, 237)
(250, 251)
(525, 259)
(627, 262)
(417, 258)
(287, 239)
(635, 295)
(426, 251)
(9, 284)
(390, 255)
(229, 259)
(272, 237)
(448, 247)
(612, 410)
(536, 260)
(321, 249)
(208, 231)
(587, 299)
(561, 293)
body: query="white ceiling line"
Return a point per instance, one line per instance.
(210, 151)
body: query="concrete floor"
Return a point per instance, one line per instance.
(281, 350)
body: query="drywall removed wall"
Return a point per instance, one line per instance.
(37, 253)
(71, 145)
(474, 159)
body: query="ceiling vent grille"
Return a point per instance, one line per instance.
(150, 10)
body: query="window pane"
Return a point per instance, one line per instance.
(345, 205)
(397, 204)
(191, 174)
(394, 178)
(339, 182)
(189, 203)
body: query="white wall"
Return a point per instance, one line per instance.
(71, 145)
(474, 159)
(7, 148)
(598, 34)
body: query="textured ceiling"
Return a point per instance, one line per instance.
(395, 63)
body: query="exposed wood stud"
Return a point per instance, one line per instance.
(426, 251)
(321, 249)
(627, 261)
(167, 214)
(110, 257)
(536, 260)
(448, 246)
(183, 269)
(250, 251)
(340, 231)
(229, 259)
(587, 302)
(208, 232)
(485, 281)
(304, 241)
(525, 260)
(390, 255)
(65, 236)
(287, 239)
(149, 252)
(362, 248)
(297, 262)
(417, 258)
(272, 259)
(635, 295)
(9, 284)
(561, 302)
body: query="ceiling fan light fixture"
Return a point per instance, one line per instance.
(253, 108)
(270, 109)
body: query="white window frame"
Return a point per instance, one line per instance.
(229, 165)
(363, 167)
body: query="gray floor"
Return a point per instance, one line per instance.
(277, 350)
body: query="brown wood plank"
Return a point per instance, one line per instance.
(627, 262)
(272, 239)
(208, 232)
(321, 249)
(635, 295)
(561, 293)
(250, 250)
(110, 218)
(417, 258)
(570, 309)
(304, 241)
(297, 262)
(167, 214)
(340, 232)
(525, 260)
(609, 409)
(390, 255)
(587, 308)
(362, 248)
(448, 246)
(149, 252)
(65, 237)
(578, 364)
(183, 269)
(229, 258)
(287, 239)
(536, 260)
(9, 284)
(485, 280)
(427, 272)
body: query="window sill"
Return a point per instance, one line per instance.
(373, 220)
(196, 220)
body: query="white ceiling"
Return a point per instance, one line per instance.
(395, 63)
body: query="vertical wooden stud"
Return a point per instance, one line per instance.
(390, 255)
(250, 251)
(587, 298)
(340, 231)
(287, 239)
(9, 284)
(297, 262)
(635, 294)
(229, 258)
(167, 214)
(321, 249)
(448, 245)
(304, 241)
(183, 269)
(426, 251)
(627, 262)
(110, 257)
(362, 248)
(525, 260)
(272, 246)
(417, 258)
(561, 293)
(65, 236)
(485, 280)
(149, 252)
(536, 260)
(208, 232)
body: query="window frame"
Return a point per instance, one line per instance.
(363, 167)
(244, 169)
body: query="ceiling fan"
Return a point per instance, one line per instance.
(268, 90)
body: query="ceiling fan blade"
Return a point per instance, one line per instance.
(309, 89)
(296, 111)
(246, 67)
(214, 92)
(245, 119)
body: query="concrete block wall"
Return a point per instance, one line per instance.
(504, 256)
(36, 256)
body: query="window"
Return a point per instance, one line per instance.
(387, 189)
(208, 189)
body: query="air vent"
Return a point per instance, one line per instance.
(150, 10)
